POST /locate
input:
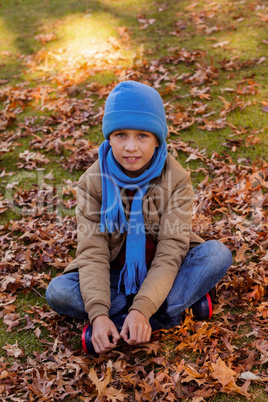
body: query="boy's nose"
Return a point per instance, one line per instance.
(131, 145)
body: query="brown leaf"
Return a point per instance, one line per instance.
(252, 140)
(111, 393)
(29, 323)
(11, 320)
(45, 38)
(212, 125)
(262, 346)
(222, 373)
(13, 350)
(37, 332)
(240, 255)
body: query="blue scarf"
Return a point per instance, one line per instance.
(112, 212)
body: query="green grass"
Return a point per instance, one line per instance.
(27, 340)
(83, 29)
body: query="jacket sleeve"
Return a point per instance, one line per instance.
(92, 252)
(172, 247)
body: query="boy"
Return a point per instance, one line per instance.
(138, 265)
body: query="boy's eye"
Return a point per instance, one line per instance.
(120, 135)
(142, 135)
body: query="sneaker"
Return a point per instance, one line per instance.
(118, 320)
(202, 309)
(86, 339)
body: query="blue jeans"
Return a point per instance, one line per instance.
(202, 268)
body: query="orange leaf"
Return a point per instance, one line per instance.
(240, 255)
(222, 373)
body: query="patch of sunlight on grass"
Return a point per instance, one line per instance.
(78, 51)
(77, 34)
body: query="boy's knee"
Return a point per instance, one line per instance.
(50, 293)
(221, 253)
(54, 294)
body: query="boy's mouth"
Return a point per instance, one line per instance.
(131, 158)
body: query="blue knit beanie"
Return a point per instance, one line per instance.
(135, 106)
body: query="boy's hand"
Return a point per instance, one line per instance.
(136, 328)
(103, 328)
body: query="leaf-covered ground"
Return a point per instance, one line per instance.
(59, 60)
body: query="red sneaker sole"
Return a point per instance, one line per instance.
(84, 338)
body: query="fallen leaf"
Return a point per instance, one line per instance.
(248, 375)
(13, 350)
(220, 44)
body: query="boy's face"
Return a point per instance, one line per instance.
(133, 149)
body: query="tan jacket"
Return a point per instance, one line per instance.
(167, 211)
